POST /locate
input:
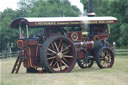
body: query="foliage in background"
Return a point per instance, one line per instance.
(116, 8)
(59, 8)
(6, 34)
(32, 8)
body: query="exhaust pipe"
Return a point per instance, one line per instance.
(90, 8)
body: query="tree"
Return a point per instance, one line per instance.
(119, 9)
(115, 8)
(53, 8)
(6, 34)
(124, 35)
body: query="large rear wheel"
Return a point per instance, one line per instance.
(58, 54)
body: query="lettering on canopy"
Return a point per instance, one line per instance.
(73, 23)
(55, 23)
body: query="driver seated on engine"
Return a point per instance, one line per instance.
(39, 36)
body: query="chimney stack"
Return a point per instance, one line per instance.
(90, 8)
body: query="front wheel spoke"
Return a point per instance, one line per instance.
(56, 46)
(101, 58)
(52, 57)
(81, 60)
(106, 63)
(107, 54)
(109, 58)
(109, 61)
(52, 51)
(67, 56)
(64, 63)
(103, 63)
(102, 54)
(85, 65)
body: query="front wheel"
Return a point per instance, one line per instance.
(58, 54)
(105, 58)
(85, 62)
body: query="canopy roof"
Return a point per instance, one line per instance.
(61, 21)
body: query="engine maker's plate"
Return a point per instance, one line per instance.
(75, 36)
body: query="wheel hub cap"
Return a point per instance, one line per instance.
(60, 55)
(106, 58)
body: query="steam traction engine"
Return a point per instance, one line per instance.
(64, 41)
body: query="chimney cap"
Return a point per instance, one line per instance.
(92, 14)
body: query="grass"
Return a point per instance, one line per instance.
(118, 75)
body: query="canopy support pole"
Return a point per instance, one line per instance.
(109, 28)
(27, 31)
(20, 29)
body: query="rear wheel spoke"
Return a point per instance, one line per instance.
(53, 46)
(60, 43)
(52, 57)
(65, 52)
(52, 51)
(50, 54)
(56, 46)
(65, 60)
(67, 56)
(62, 47)
(64, 63)
(58, 66)
(66, 48)
(54, 64)
(51, 63)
